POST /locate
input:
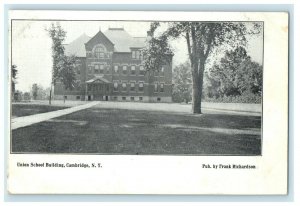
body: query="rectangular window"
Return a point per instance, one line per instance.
(162, 71)
(141, 87)
(116, 69)
(107, 69)
(124, 98)
(132, 70)
(161, 87)
(142, 70)
(158, 99)
(137, 55)
(115, 86)
(101, 55)
(124, 86)
(133, 54)
(156, 87)
(140, 98)
(101, 69)
(124, 70)
(132, 86)
(115, 98)
(96, 69)
(132, 98)
(77, 97)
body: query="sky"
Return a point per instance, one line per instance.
(31, 46)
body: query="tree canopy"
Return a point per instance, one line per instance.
(201, 39)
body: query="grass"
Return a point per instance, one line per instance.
(20, 110)
(121, 131)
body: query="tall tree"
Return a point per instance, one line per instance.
(202, 38)
(57, 35)
(182, 80)
(63, 66)
(14, 72)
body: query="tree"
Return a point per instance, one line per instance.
(67, 74)
(58, 35)
(202, 38)
(236, 74)
(34, 91)
(63, 66)
(182, 79)
(14, 72)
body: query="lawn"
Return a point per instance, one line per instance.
(20, 110)
(121, 131)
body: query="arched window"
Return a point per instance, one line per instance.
(99, 51)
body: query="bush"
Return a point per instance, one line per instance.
(244, 98)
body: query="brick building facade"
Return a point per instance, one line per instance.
(109, 68)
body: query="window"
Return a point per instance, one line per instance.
(142, 70)
(77, 97)
(132, 86)
(115, 98)
(156, 87)
(96, 69)
(141, 86)
(132, 70)
(158, 99)
(162, 71)
(101, 69)
(115, 86)
(124, 86)
(99, 51)
(137, 55)
(90, 70)
(116, 69)
(161, 87)
(140, 98)
(124, 70)
(132, 98)
(124, 98)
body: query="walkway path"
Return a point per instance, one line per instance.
(36, 118)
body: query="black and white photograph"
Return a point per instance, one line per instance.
(137, 87)
(145, 102)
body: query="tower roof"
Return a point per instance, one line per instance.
(122, 40)
(77, 47)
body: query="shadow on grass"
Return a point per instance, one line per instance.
(113, 131)
(20, 110)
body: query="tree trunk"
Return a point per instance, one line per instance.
(197, 87)
(50, 95)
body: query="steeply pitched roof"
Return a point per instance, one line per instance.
(122, 40)
(118, 36)
(77, 47)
